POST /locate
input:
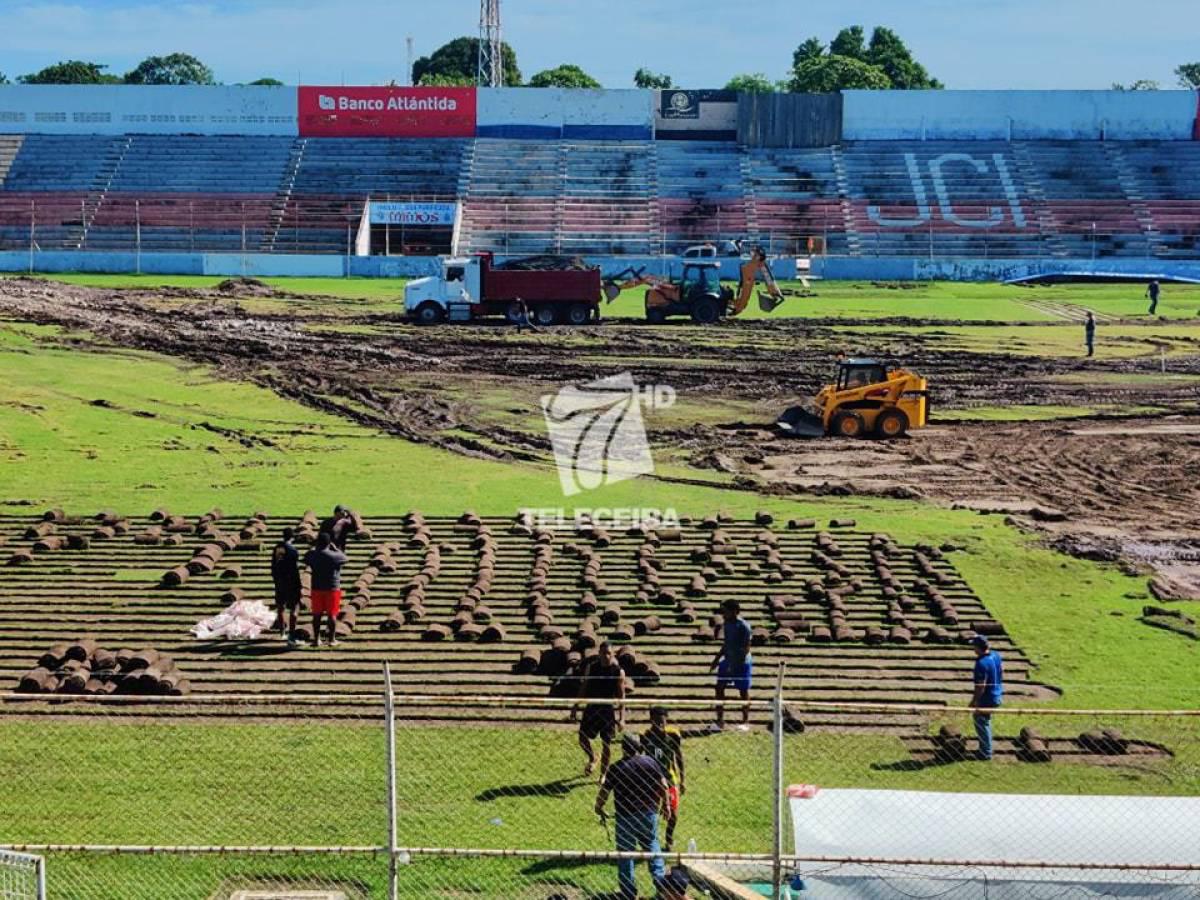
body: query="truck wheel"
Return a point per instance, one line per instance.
(512, 313)
(655, 316)
(705, 311)
(429, 313)
(892, 423)
(545, 314)
(579, 314)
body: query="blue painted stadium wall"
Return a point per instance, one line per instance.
(617, 114)
(156, 109)
(554, 113)
(1019, 115)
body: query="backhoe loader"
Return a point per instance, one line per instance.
(698, 293)
(869, 399)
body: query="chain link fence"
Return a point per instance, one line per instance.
(22, 876)
(307, 797)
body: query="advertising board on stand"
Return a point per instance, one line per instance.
(386, 212)
(386, 111)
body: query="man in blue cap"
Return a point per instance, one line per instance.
(989, 688)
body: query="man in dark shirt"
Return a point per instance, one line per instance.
(285, 573)
(732, 662)
(989, 689)
(325, 561)
(339, 527)
(1089, 333)
(638, 787)
(1152, 290)
(601, 679)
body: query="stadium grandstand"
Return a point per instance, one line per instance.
(932, 175)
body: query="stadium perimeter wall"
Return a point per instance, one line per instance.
(1019, 115)
(156, 109)
(830, 268)
(552, 113)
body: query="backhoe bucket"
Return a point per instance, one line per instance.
(767, 303)
(799, 422)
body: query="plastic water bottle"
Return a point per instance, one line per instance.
(691, 845)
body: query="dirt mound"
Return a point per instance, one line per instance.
(245, 287)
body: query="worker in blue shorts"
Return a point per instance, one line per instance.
(732, 663)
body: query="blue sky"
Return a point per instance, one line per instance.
(700, 43)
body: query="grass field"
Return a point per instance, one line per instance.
(170, 433)
(90, 427)
(944, 301)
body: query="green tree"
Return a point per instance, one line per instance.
(756, 83)
(458, 60)
(644, 78)
(810, 49)
(428, 80)
(889, 53)
(836, 73)
(72, 71)
(3, 78)
(885, 62)
(564, 76)
(175, 68)
(1189, 75)
(267, 82)
(1142, 84)
(851, 42)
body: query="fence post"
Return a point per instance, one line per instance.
(32, 231)
(389, 715)
(777, 782)
(137, 215)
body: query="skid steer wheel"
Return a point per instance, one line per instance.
(705, 311)
(545, 314)
(655, 316)
(849, 424)
(429, 313)
(892, 423)
(578, 314)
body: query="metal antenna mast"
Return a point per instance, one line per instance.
(491, 59)
(409, 67)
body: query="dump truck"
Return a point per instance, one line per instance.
(554, 291)
(869, 399)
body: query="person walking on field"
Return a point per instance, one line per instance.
(326, 561)
(732, 662)
(664, 744)
(285, 573)
(989, 689)
(639, 789)
(522, 319)
(601, 679)
(1089, 333)
(1152, 291)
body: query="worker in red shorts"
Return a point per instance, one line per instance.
(325, 561)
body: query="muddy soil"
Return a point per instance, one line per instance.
(1124, 489)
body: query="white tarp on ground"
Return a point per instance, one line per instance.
(1065, 832)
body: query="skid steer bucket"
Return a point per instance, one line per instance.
(796, 421)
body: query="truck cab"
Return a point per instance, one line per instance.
(447, 296)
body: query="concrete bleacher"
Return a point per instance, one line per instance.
(334, 176)
(795, 196)
(702, 193)
(913, 198)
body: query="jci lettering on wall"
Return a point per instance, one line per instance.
(386, 112)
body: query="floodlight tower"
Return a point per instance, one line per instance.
(491, 60)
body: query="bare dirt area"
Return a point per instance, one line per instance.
(1116, 488)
